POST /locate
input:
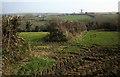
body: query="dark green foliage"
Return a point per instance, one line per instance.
(28, 26)
(37, 29)
(56, 36)
(106, 26)
(103, 23)
(56, 33)
(43, 28)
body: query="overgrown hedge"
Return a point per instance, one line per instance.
(12, 45)
(103, 23)
(62, 31)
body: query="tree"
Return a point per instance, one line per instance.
(37, 29)
(28, 26)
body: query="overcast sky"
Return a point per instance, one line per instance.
(62, 6)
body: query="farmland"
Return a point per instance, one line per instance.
(87, 54)
(95, 52)
(70, 17)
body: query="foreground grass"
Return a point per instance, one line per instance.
(35, 64)
(99, 38)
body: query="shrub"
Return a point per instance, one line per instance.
(56, 36)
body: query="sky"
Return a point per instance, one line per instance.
(58, 6)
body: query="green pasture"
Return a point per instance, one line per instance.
(33, 36)
(99, 38)
(88, 38)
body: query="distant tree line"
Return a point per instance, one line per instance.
(106, 26)
(103, 24)
(29, 27)
(98, 23)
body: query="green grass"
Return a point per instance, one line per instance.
(33, 36)
(35, 64)
(71, 17)
(99, 38)
(88, 38)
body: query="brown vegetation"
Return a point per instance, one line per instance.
(13, 45)
(67, 29)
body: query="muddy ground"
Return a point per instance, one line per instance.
(88, 61)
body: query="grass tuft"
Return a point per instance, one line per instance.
(34, 65)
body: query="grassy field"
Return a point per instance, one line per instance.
(99, 38)
(88, 38)
(70, 17)
(33, 36)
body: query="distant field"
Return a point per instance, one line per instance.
(70, 17)
(34, 23)
(33, 36)
(99, 38)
